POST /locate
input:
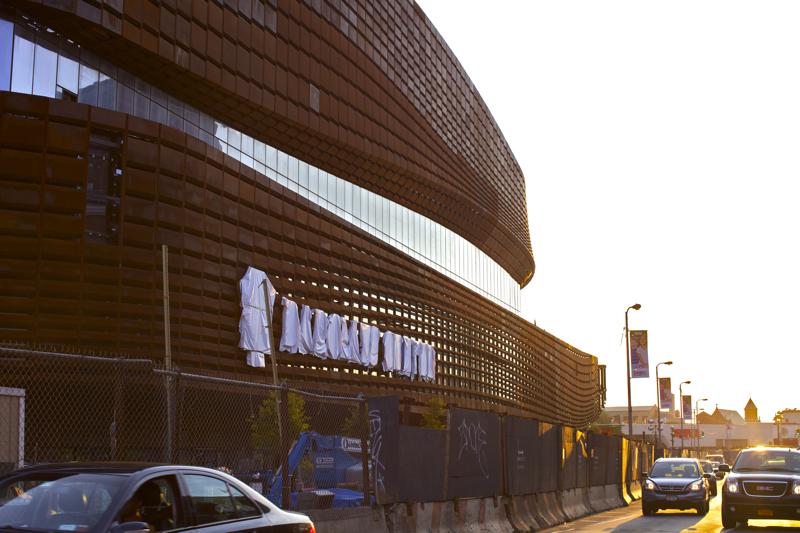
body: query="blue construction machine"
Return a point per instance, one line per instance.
(326, 471)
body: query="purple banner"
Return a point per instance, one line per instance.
(640, 365)
(687, 407)
(665, 393)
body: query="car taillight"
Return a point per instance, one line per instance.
(311, 528)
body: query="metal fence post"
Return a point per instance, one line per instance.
(364, 449)
(167, 351)
(286, 444)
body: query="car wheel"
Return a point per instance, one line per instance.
(728, 520)
(647, 510)
(702, 508)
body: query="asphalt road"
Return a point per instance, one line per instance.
(630, 519)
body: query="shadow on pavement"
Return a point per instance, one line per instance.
(663, 521)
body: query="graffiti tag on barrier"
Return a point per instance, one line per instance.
(472, 438)
(376, 442)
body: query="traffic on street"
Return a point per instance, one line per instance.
(630, 519)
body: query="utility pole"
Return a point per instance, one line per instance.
(680, 393)
(658, 403)
(635, 307)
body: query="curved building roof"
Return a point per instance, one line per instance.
(405, 121)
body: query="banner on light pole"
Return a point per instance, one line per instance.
(687, 407)
(665, 393)
(640, 364)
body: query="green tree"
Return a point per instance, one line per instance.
(353, 423)
(264, 430)
(434, 413)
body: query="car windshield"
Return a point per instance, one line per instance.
(708, 468)
(679, 470)
(56, 501)
(768, 460)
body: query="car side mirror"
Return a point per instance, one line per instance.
(709, 476)
(724, 468)
(645, 474)
(131, 527)
(720, 475)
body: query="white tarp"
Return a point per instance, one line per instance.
(253, 322)
(290, 330)
(306, 336)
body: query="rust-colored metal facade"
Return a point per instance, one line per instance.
(366, 90)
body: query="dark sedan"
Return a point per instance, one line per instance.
(764, 483)
(708, 468)
(120, 497)
(675, 483)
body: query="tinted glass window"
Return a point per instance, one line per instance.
(245, 508)
(210, 498)
(775, 460)
(675, 470)
(57, 501)
(154, 502)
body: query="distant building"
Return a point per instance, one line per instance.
(790, 416)
(721, 417)
(642, 414)
(751, 412)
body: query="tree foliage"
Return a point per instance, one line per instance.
(353, 423)
(434, 414)
(264, 430)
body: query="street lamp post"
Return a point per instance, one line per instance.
(658, 403)
(696, 425)
(635, 307)
(680, 393)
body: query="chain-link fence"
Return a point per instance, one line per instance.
(302, 450)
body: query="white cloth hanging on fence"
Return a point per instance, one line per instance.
(306, 342)
(417, 359)
(334, 336)
(290, 329)
(353, 354)
(364, 332)
(374, 345)
(388, 351)
(431, 374)
(320, 334)
(253, 322)
(407, 368)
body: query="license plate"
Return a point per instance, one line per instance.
(764, 512)
(672, 498)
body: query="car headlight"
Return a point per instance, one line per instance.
(733, 487)
(649, 485)
(796, 488)
(697, 485)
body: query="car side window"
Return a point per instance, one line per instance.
(210, 498)
(245, 508)
(154, 502)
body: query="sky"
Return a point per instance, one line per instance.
(660, 142)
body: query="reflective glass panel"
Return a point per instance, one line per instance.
(45, 69)
(22, 71)
(6, 48)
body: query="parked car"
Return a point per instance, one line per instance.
(676, 483)
(764, 483)
(708, 468)
(135, 497)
